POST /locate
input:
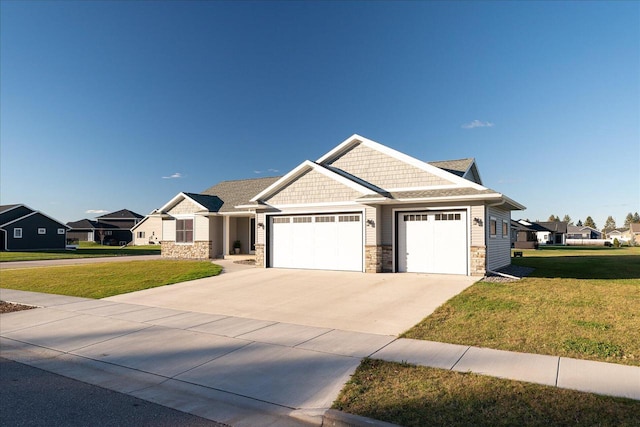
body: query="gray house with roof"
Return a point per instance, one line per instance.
(113, 228)
(360, 207)
(24, 229)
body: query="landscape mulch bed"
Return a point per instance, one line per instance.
(8, 307)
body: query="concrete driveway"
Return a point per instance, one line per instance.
(386, 304)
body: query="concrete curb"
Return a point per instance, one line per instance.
(335, 418)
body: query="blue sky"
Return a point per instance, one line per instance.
(108, 105)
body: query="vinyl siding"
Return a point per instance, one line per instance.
(31, 239)
(384, 171)
(215, 235)
(169, 230)
(498, 247)
(200, 228)
(313, 187)
(477, 230)
(152, 228)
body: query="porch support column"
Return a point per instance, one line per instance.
(225, 236)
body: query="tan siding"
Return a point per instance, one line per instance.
(384, 171)
(370, 236)
(499, 247)
(184, 207)
(260, 235)
(200, 228)
(169, 230)
(152, 228)
(313, 187)
(387, 225)
(477, 230)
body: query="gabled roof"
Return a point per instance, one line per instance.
(87, 224)
(355, 139)
(121, 214)
(555, 226)
(7, 218)
(210, 203)
(576, 228)
(306, 166)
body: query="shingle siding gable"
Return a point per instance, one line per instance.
(384, 171)
(313, 187)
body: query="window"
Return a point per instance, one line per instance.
(184, 231)
(493, 227)
(61, 230)
(280, 220)
(42, 231)
(349, 218)
(140, 234)
(17, 233)
(108, 233)
(418, 217)
(326, 218)
(505, 228)
(448, 217)
(301, 219)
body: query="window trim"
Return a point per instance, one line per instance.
(17, 233)
(184, 241)
(505, 229)
(42, 230)
(493, 227)
(61, 231)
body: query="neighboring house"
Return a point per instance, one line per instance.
(634, 232)
(148, 231)
(622, 234)
(366, 207)
(23, 228)
(551, 232)
(584, 232)
(523, 235)
(109, 229)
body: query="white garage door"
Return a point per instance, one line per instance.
(432, 242)
(320, 242)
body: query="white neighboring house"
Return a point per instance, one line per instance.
(622, 234)
(148, 231)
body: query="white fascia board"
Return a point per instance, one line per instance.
(303, 167)
(357, 139)
(177, 197)
(237, 213)
(139, 223)
(423, 188)
(314, 205)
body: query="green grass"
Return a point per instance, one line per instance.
(419, 396)
(579, 302)
(106, 279)
(86, 250)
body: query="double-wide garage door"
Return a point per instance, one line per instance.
(321, 242)
(432, 242)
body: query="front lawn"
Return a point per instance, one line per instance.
(419, 396)
(106, 279)
(86, 250)
(579, 302)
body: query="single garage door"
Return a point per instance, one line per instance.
(320, 242)
(432, 242)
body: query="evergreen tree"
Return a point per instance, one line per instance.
(628, 220)
(579, 223)
(636, 217)
(551, 218)
(590, 223)
(567, 219)
(610, 224)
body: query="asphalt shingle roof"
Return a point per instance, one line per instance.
(239, 192)
(425, 194)
(212, 203)
(121, 214)
(456, 167)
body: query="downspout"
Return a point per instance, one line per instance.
(509, 276)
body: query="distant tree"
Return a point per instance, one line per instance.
(636, 218)
(553, 218)
(579, 223)
(567, 219)
(610, 224)
(628, 220)
(589, 222)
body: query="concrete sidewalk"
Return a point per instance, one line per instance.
(243, 371)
